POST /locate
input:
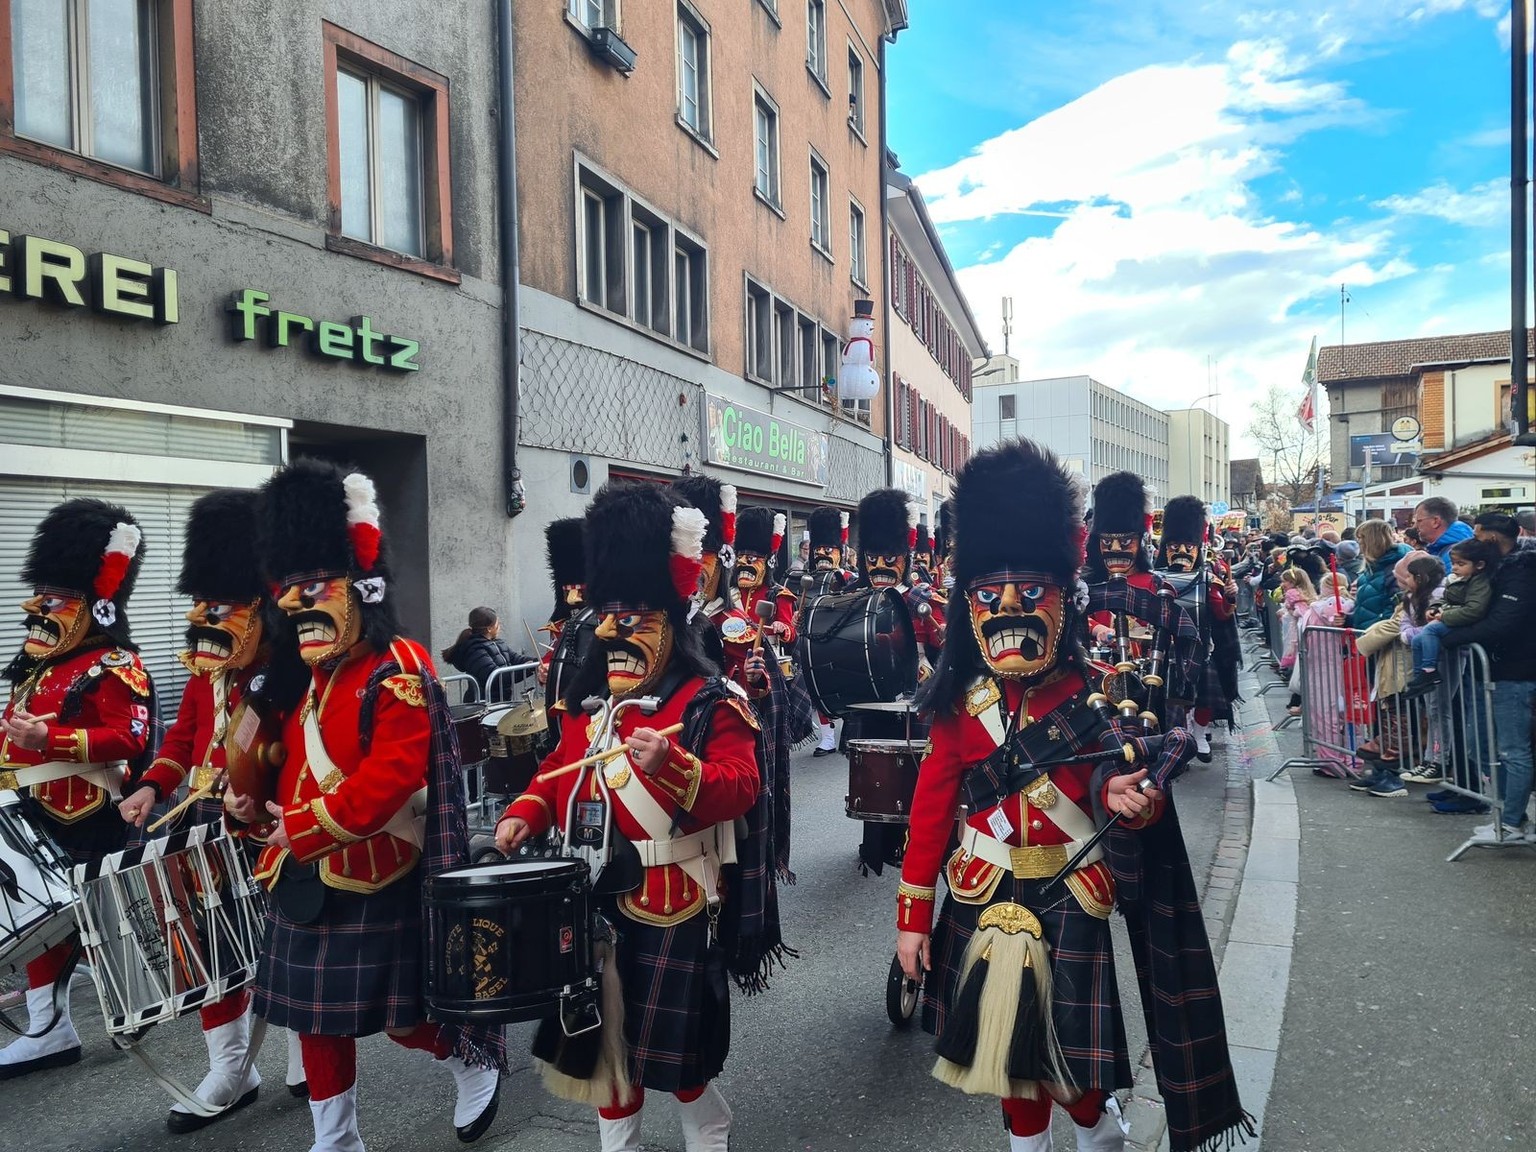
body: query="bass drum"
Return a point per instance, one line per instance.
(857, 648)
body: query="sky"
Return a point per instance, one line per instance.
(1172, 192)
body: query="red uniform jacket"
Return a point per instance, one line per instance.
(738, 636)
(1223, 607)
(783, 606)
(195, 743)
(927, 625)
(959, 739)
(717, 786)
(339, 818)
(111, 724)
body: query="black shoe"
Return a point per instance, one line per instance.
(820, 752)
(478, 1126)
(1421, 684)
(1364, 783)
(39, 1063)
(183, 1122)
(300, 1090)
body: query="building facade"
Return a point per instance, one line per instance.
(1199, 455)
(934, 341)
(273, 232)
(1094, 428)
(700, 201)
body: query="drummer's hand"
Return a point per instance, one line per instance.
(648, 749)
(242, 808)
(912, 951)
(24, 730)
(279, 833)
(542, 675)
(1124, 798)
(779, 628)
(756, 668)
(136, 808)
(510, 833)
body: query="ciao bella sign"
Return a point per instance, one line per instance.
(743, 438)
(35, 268)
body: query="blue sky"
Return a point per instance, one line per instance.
(1172, 191)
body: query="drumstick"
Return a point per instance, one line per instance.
(765, 612)
(192, 798)
(601, 757)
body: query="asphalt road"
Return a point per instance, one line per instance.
(815, 1064)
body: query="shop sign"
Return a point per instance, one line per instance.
(357, 341)
(736, 436)
(33, 268)
(911, 479)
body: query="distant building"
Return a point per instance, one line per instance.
(1245, 484)
(1199, 455)
(1096, 429)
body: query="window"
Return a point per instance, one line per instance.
(831, 354)
(856, 265)
(810, 353)
(602, 244)
(1005, 407)
(816, 39)
(821, 226)
(649, 260)
(690, 292)
(855, 91)
(594, 13)
(388, 162)
(784, 337)
(765, 118)
(759, 332)
(103, 89)
(693, 78)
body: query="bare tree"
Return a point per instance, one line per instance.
(1290, 454)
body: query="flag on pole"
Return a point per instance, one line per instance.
(1307, 413)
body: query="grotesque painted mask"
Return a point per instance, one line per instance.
(575, 594)
(57, 620)
(1182, 557)
(1118, 550)
(885, 571)
(825, 557)
(222, 634)
(751, 571)
(638, 645)
(1017, 621)
(326, 613)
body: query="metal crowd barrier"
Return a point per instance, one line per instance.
(503, 688)
(1450, 728)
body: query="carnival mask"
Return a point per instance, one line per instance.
(884, 571)
(638, 646)
(1182, 557)
(326, 613)
(1018, 624)
(826, 557)
(751, 571)
(709, 577)
(575, 594)
(57, 620)
(1118, 550)
(222, 634)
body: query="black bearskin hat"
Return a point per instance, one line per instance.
(1016, 508)
(1119, 505)
(218, 555)
(718, 503)
(884, 525)
(69, 550)
(826, 528)
(1183, 523)
(754, 532)
(565, 548)
(630, 529)
(944, 538)
(316, 517)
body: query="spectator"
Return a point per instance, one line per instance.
(1297, 594)
(1505, 634)
(1419, 575)
(1308, 532)
(802, 557)
(1492, 525)
(1412, 538)
(1375, 589)
(1439, 526)
(1396, 725)
(1347, 534)
(1325, 719)
(1527, 522)
(1467, 596)
(1350, 564)
(1329, 536)
(479, 651)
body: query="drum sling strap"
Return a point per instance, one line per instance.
(408, 824)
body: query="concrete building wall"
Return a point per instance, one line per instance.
(1199, 455)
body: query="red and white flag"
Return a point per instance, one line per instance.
(1307, 413)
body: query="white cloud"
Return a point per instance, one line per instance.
(1483, 206)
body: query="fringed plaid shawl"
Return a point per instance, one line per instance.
(1179, 994)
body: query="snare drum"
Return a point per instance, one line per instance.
(169, 926)
(882, 776)
(510, 940)
(473, 743)
(35, 896)
(512, 739)
(858, 648)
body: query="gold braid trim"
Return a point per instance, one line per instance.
(335, 830)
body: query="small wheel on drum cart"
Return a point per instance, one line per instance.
(900, 995)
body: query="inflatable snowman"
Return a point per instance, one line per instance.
(857, 377)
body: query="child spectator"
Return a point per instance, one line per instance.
(1396, 726)
(1417, 577)
(1326, 713)
(1296, 596)
(1465, 597)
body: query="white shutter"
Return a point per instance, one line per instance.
(155, 612)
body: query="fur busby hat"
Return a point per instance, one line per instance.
(644, 548)
(218, 555)
(565, 548)
(317, 518)
(94, 549)
(718, 503)
(755, 532)
(944, 537)
(1183, 523)
(887, 523)
(828, 528)
(1119, 505)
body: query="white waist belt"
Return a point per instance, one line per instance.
(975, 842)
(654, 853)
(108, 776)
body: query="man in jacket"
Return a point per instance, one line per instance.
(1505, 633)
(1439, 528)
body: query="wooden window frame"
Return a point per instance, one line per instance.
(341, 47)
(180, 177)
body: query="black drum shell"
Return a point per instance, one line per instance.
(882, 778)
(507, 939)
(467, 726)
(858, 647)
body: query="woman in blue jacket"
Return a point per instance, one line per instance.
(1376, 589)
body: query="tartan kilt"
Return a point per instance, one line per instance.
(88, 839)
(355, 971)
(661, 971)
(1209, 692)
(1085, 1002)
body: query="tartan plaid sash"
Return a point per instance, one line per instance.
(1072, 727)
